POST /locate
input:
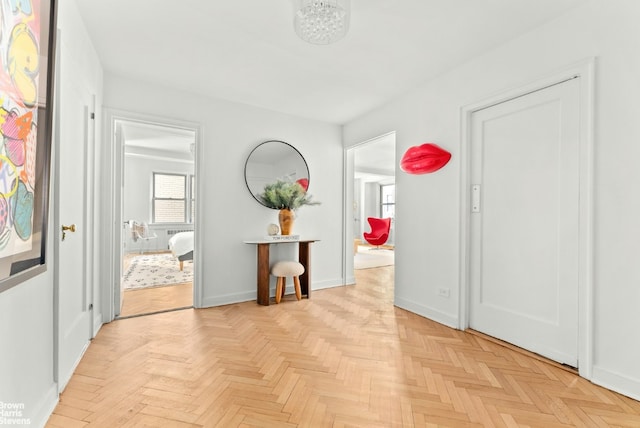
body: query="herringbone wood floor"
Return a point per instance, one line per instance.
(154, 299)
(157, 299)
(345, 358)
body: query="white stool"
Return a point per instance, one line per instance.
(282, 270)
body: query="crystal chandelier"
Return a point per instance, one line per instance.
(321, 21)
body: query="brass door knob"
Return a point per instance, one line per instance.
(71, 228)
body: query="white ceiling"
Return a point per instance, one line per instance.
(246, 51)
(146, 137)
(375, 160)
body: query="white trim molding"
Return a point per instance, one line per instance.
(450, 320)
(616, 382)
(112, 201)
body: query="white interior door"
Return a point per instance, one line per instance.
(74, 293)
(524, 267)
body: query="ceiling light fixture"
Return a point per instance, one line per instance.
(321, 22)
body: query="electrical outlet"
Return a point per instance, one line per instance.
(443, 292)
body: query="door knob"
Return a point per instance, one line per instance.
(64, 228)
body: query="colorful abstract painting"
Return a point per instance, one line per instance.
(25, 48)
(18, 123)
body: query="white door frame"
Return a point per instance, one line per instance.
(347, 219)
(348, 276)
(113, 199)
(585, 71)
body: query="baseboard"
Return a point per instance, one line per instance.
(616, 382)
(247, 296)
(64, 379)
(228, 299)
(331, 283)
(97, 323)
(423, 311)
(44, 409)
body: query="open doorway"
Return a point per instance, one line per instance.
(374, 203)
(158, 213)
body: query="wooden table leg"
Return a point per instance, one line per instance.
(263, 274)
(304, 258)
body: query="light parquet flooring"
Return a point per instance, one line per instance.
(157, 299)
(345, 358)
(154, 299)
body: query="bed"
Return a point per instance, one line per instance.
(181, 246)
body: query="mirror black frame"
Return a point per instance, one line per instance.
(255, 191)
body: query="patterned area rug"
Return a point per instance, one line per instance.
(156, 270)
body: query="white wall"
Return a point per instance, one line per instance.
(428, 205)
(27, 310)
(371, 201)
(26, 360)
(230, 214)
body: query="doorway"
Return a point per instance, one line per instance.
(526, 221)
(158, 213)
(372, 185)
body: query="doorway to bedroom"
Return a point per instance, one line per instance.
(158, 211)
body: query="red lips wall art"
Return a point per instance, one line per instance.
(424, 159)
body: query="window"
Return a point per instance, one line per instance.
(173, 200)
(388, 200)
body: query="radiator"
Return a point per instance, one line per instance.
(174, 231)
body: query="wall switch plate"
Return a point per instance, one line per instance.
(443, 292)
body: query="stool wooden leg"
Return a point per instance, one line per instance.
(296, 283)
(181, 265)
(279, 288)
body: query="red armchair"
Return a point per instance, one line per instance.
(379, 231)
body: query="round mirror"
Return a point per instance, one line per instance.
(271, 161)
